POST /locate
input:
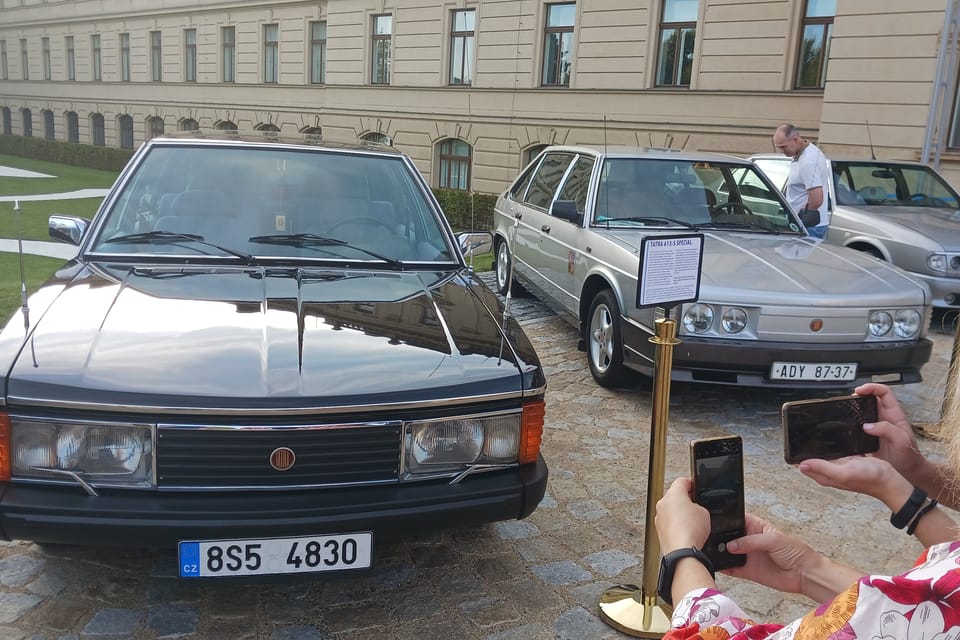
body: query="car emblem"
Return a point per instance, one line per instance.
(282, 459)
(816, 325)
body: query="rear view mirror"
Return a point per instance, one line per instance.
(885, 174)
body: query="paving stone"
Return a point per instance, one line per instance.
(610, 563)
(297, 632)
(488, 612)
(562, 573)
(19, 569)
(176, 621)
(112, 623)
(60, 614)
(516, 529)
(14, 605)
(588, 510)
(578, 623)
(524, 632)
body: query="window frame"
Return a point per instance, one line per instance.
(70, 49)
(680, 28)
(557, 79)
(153, 130)
(452, 165)
(4, 68)
(125, 130)
(73, 126)
(96, 57)
(228, 50)
(49, 126)
(156, 56)
(826, 35)
(124, 57)
(381, 50)
(98, 130)
(6, 116)
(462, 42)
(318, 52)
(46, 58)
(24, 59)
(271, 53)
(190, 55)
(26, 119)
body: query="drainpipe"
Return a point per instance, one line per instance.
(937, 98)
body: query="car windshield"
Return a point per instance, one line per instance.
(643, 192)
(258, 203)
(880, 184)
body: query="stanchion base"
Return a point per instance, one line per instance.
(622, 608)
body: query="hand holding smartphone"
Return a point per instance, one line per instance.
(716, 467)
(828, 429)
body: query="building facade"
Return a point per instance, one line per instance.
(471, 88)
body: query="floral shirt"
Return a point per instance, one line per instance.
(923, 603)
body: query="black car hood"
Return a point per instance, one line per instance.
(265, 338)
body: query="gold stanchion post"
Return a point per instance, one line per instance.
(638, 611)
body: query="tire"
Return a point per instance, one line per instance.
(502, 265)
(604, 341)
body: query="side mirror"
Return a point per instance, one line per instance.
(67, 229)
(566, 210)
(475, 243)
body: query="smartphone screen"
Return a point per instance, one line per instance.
(828, 429)
(717, 472)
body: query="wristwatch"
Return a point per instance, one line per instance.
(668, 565)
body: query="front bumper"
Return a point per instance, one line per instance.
(945, 291)
(66, 515)
(747, 363)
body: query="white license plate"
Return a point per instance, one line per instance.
(267, 556)
(821, 371)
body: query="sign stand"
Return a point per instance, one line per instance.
(669, 274)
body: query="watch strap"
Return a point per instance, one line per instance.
(668, 566)
(902, 518)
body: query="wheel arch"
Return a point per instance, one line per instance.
(594, 283)
(866, 246)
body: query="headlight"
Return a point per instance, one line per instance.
(880, 323)
(438, 446)
(698, 318)
(906, 323)
(734, 320)
(937, 262)
(105, 454)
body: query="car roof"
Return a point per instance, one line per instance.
(268, 139)
(832, 158)
(653, 153)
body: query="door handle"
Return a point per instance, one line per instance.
(545, 228)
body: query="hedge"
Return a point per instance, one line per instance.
(467, 210)
(72, 153)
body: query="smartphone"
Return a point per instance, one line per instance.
(828, 429)
(716, 466)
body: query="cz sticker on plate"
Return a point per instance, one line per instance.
(267, 556)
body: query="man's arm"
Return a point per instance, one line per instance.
(814, 197)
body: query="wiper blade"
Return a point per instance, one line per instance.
(736, 225)
(159, 236)
(648, 220)
(317, 241)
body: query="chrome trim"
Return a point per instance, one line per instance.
(72, 474)
(477, 468)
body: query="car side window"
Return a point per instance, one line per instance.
(578, 182)
(547, 180)
(520, 186)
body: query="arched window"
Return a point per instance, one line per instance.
(189, 124)
(455, 160)
(49, 130)
(27, 117)
(266, 126)
(154, 126)
(98, 134)
(377, 138)
(125, 124)
(532, 153)
(73, 126)
(7, 121)
(226, 125)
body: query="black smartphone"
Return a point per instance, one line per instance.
(716, 466)
(828, 429)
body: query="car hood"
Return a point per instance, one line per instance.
(753, 268)
(262, 338)
(940, 225)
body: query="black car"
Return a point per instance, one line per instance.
(270, 353)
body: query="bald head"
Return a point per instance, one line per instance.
(787, 139)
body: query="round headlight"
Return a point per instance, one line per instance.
(448, 441)
(906, 323)
(880, 323)
(734, 320)
(698, 318)
(937, 262)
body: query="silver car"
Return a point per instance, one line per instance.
(901, 212)
(775, 307)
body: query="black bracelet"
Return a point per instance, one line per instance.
(902, 518)
(916, 519)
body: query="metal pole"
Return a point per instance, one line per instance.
(23, 277)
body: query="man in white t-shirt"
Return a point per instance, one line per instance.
(807, 182)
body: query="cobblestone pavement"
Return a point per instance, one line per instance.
(532, 579)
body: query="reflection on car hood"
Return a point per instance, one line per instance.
(258, 337)
(752, 268)
(940, 225)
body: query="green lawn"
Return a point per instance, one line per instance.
(37, 270)
(34, 215)
(66, 177)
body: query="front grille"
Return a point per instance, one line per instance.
(198, 457)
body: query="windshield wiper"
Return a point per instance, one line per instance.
(647, 220)
(316, 241)
(159, 236)
(736, 225)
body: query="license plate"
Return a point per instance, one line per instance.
(267, 556)
(819, 371)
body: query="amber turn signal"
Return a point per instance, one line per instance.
(4, 447)
(531, 430)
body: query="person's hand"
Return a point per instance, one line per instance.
(870, 476)
(774, 559)
(898, 444)
(680, 521)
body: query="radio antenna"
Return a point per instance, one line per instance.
(873, 156)
(604, 134)
(23, 277)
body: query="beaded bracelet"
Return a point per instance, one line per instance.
(909, 510)
(916, 519)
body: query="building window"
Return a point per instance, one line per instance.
(382, 34)
(271, 53)
(558, 44)
(7, 121)
(125, 57)
(318, 52)
(455, 156)
(45, 50)
(73, 127)
(49, 131)
(815, 43)
(154, 127)
(190, 55)
(27, 122)
(97, 131)
(226, 125)
(678, 30)
(96, 66)
(156, 57)
(24, 63)
(533, 152)
(71, 58)
(4, 74)
(461, 46)
(377, 138)
(189, 124)
(228, 36)
(125, 124)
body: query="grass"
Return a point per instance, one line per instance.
(66, 177)
(34, 215)
(37, 269)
